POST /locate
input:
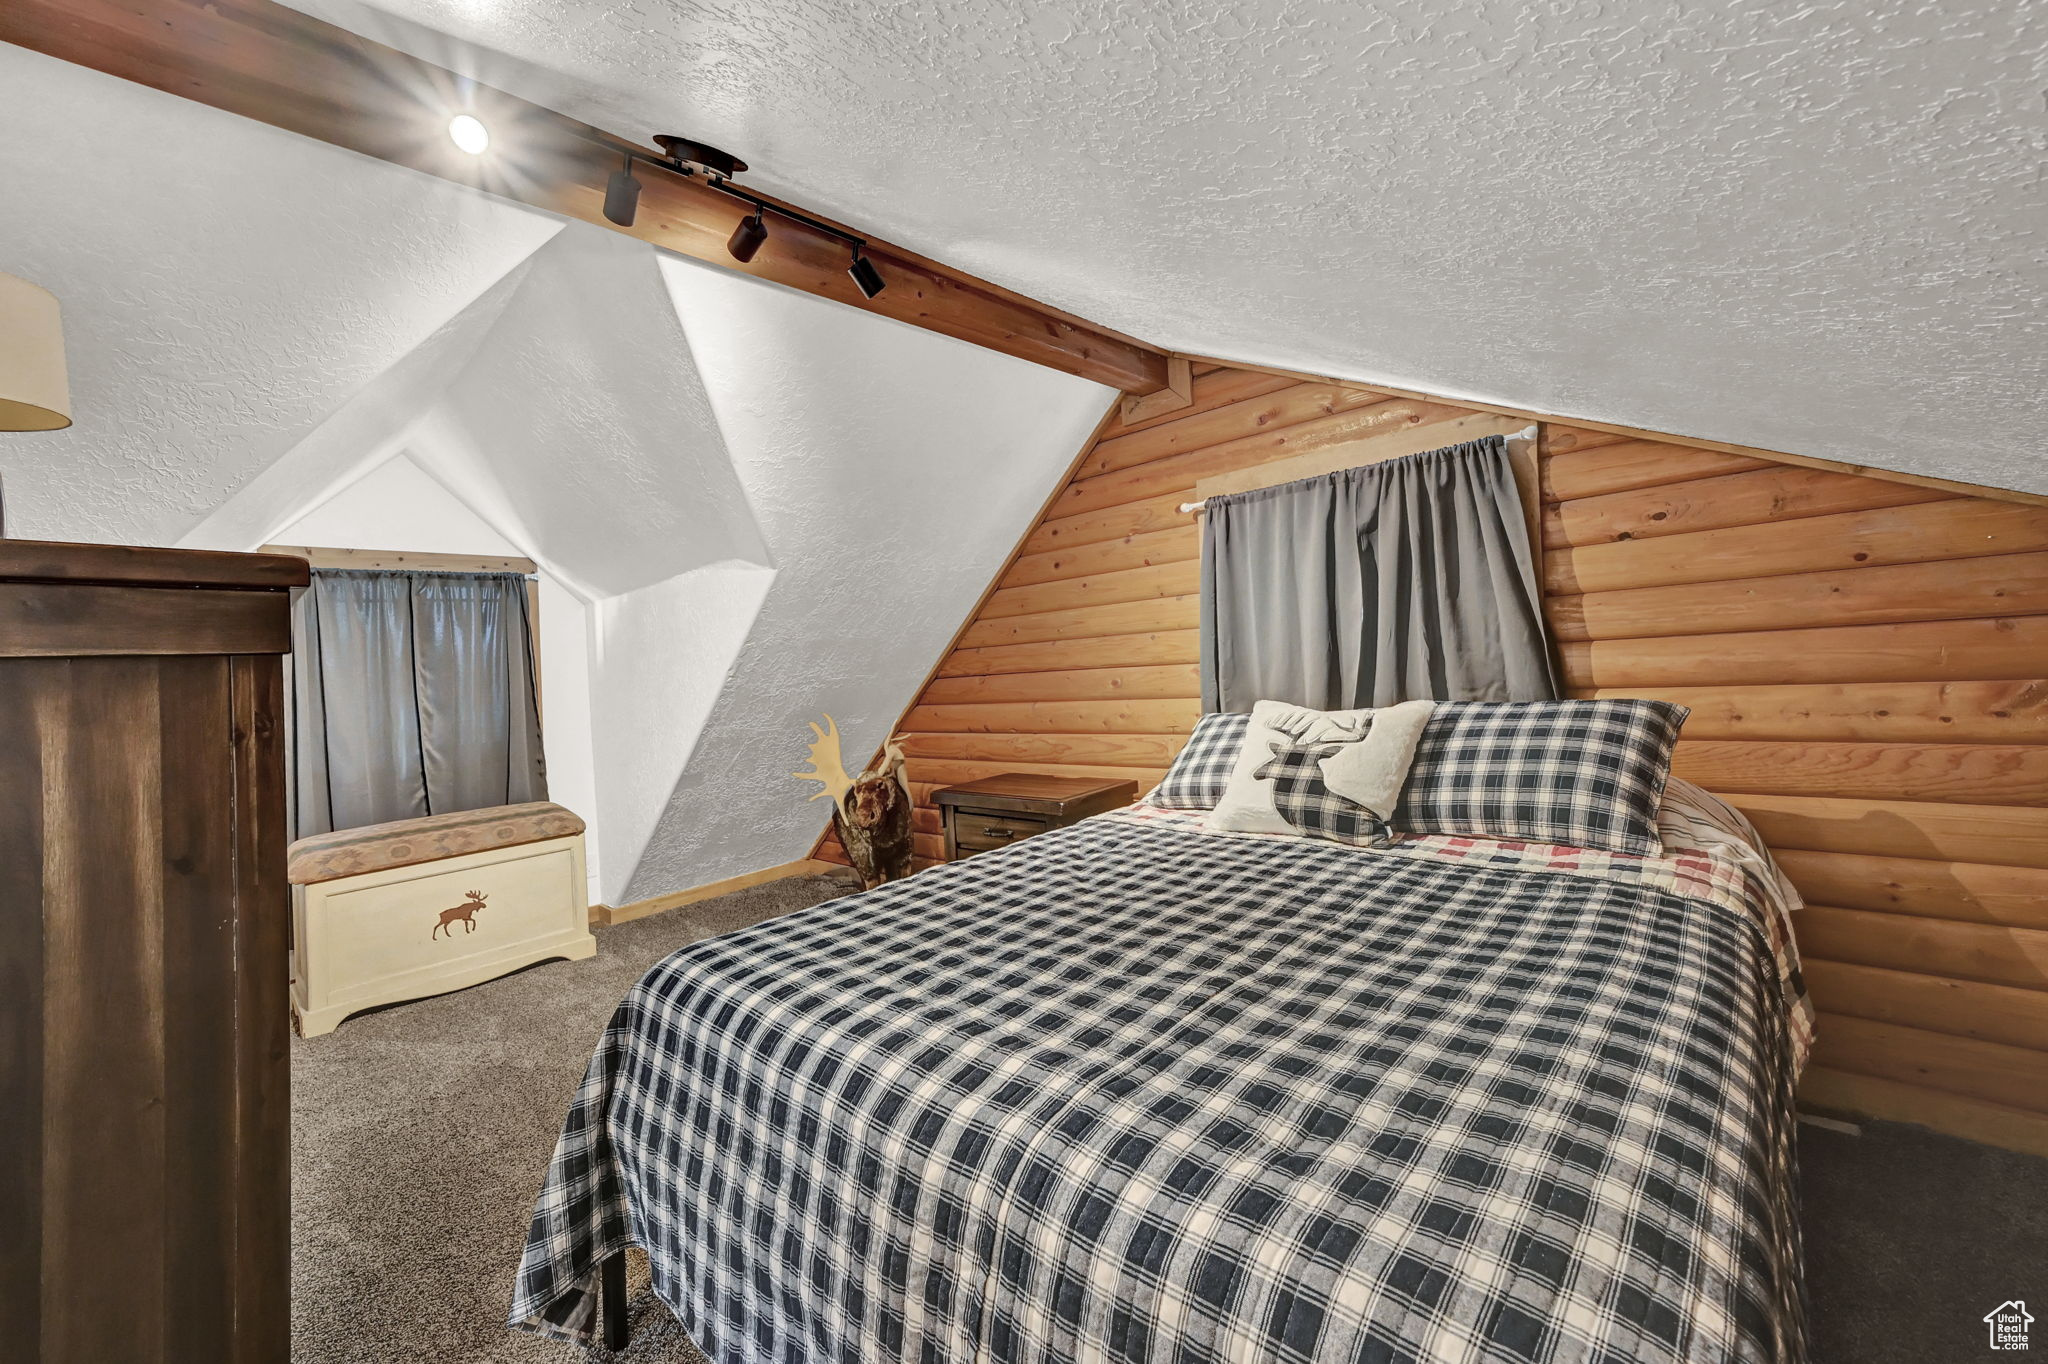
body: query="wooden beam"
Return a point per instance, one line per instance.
(1216, 388)
(264, 61)
(1178, 393)
(409, 560)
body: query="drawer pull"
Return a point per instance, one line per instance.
(996, 831)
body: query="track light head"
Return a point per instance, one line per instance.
(864, 275)
(748, 237)
(622, 195)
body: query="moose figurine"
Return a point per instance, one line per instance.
(871, 812)
(466, 912)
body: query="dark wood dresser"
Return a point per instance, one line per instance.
(143, 910)
(997, 811)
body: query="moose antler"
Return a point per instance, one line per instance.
(828, 769)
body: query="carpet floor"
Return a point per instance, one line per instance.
(420, 1135)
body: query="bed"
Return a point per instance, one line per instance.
(1136, 1091)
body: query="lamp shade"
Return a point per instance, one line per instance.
(33, 393)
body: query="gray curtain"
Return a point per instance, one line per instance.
(1408, 580)
(412, 694)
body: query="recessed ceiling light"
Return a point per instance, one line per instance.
(468, 132)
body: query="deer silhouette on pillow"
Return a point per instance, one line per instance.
(1302, 797)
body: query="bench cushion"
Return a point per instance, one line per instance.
(407, 842)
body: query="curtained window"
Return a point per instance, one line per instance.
(412, 694)
(1403, 581)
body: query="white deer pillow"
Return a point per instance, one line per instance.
(1369, 766)
(1247, 803)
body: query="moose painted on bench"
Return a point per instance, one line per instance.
(466, 912)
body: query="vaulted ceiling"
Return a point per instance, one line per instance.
(764, 504)
(1813, 228)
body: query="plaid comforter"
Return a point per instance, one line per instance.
(1132, 1091)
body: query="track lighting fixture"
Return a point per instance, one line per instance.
(748, 237)
(622, 195)
(698, 159)
(864, 275)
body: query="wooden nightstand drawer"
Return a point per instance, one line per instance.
(980, 830)
(995, 812)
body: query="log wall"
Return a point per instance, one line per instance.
(1866, 659)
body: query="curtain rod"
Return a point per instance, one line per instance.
(1526, 433)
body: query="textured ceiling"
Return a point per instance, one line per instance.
(224, 292)
(1813, 227)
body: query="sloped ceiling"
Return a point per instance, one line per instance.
(1813, 228)
(223, 291)
(764, 505)
(891, 471)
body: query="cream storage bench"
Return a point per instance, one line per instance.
(420, 907)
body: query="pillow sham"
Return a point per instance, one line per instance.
(1588, 774)
(1201, 771)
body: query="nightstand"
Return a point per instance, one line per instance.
(997, 811)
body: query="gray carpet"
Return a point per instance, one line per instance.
(1912, 1237)
(420, 1135)
(419, 1138)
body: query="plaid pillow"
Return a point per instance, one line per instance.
(1306, 801)
(1198, 776)
(1588, 774)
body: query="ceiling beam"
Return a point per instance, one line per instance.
(266, 62)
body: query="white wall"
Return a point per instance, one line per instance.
(891, 472)
(397, 505)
